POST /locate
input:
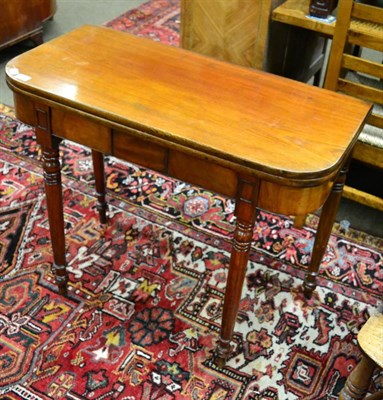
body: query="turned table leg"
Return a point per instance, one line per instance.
(325, 225)
(245, 212)
(53, 191)
(358, 382)
(99, 176)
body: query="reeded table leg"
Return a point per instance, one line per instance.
(53, 191)
(245, 212)
(322, 236)
(99, 176)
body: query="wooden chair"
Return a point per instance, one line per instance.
(360, 77)
(370, 339)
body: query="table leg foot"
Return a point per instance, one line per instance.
(223, 352)
(61, 278)
(309, 284)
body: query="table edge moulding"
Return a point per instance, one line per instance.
(267, 141)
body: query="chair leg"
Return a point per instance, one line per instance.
(326, 222)
(375, 396)
(99, 176)
(358, 382)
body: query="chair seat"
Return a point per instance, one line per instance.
(370, 338)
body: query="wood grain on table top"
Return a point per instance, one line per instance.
(250, 117)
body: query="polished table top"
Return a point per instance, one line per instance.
(254, 120)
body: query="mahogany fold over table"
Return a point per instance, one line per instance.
(266, 141)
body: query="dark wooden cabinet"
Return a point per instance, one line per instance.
(22, 19)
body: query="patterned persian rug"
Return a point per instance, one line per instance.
(144, 308)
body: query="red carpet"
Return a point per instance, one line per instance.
(146, 289)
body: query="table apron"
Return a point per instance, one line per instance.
(280, 195)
